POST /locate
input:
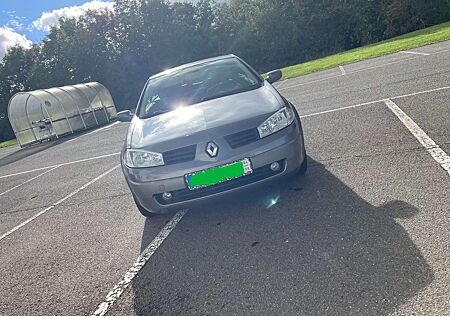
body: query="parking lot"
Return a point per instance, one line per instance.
(365, 232)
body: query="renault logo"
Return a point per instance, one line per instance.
(212, 149)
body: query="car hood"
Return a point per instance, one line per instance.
(225, 115)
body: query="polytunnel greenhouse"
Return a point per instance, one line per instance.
(52, 113)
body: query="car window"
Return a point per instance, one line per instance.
(196, 84)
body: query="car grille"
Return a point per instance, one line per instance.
(186, 194)
(242, 138)
(180, 155)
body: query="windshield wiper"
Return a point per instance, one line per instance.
(154, 113)
(249, 88)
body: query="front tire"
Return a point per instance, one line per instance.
(304, 166)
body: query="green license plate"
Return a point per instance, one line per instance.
(219, 174)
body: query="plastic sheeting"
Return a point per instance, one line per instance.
(52, 113)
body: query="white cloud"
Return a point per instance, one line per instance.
(10, 38)
(15, 22)
(48, 19)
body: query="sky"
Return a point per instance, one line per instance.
(25, 22)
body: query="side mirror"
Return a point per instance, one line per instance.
(2, 116)
(124, 116)
(274, 76)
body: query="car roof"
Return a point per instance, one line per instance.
(195, 63)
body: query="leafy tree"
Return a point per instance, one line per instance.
(402, 17)
(15, 72)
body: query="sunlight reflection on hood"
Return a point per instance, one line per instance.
(183, 121)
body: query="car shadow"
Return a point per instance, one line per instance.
(305, 246)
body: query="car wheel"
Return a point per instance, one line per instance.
(142, 210)
(302, 170)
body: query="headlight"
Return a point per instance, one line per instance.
(135, 158)
(276, 122)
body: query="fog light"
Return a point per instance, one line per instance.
(275, 166)
(167, 196)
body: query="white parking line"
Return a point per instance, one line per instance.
(441, 51)
(340, 109)
(57, 203)
(367, 68)
(415, 53)
(309, 82)
(433, 149)
(144, 257)
(350, 72)
(341, 68)
(376, 101)
(59, 165)
(29, 180)
(383, 65)
(280, 84)
(94, 131)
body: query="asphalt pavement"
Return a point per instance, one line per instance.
(365, 232)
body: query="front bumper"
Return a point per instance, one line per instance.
(148, 184)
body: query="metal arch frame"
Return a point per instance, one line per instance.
(89, 102)
(48, 115)
(30, 125)
(74, 102)
(62, 107)
(14, 128)
(57, 94)
(109, 93)
(101, 101)
(28, 117)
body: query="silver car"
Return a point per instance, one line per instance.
(207, 129)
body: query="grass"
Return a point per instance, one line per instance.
(8, 143)
(434, 34)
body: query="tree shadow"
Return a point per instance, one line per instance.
(28, 151)
(309, 246)
(32, 149)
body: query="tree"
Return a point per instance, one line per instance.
(15, 72)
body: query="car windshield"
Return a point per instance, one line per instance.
(196, 84)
